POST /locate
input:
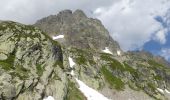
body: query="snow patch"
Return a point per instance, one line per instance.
(72, 73)
(90, 93)
(106, 50)
(160, 90)
(58, 37)
(167, 91)
(71, 62)
(118, 53)
(49, 98)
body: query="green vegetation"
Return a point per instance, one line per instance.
(81, 60)
(113, 63)
(112, 80)
(40, 69)
(74, 93)
(83, 56)
(158, 77)
(20, 72)
(8, 63)
(155, 64)
(131, 70)
(152, 86)
(92, 62)
(106, 57)
(116, 65)
(15, 70)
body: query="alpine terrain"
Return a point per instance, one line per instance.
(69, 56)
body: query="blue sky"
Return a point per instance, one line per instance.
(135, 24)
(156, 47)
(139, 25)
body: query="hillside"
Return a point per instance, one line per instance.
(69, 56)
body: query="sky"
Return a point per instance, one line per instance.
(135, 24)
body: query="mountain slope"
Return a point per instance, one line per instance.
(29, 64)
(81, 58)
(80, 34)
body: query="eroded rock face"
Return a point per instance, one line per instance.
(79, 31)
(29, 67)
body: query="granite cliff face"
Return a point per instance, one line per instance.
(73, 50)
(79, 30)
(29, 64)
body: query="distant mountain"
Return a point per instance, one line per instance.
(69, 56)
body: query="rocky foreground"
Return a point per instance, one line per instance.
(67, 56)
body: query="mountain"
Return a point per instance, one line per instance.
(78, 30)
(69, 56)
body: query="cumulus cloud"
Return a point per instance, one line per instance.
(28, 11)
(132, 22)
(165, 52)
(161, 36)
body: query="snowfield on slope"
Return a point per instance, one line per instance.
(118, 53)
(58, 37)
(106, 50)
(160, 90)
(167, 91)
(90, 93)
(71, 62)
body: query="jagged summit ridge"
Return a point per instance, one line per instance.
(79, 30)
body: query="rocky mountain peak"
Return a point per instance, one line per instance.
(78, 30)
(79, 14)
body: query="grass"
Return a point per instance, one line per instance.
(20, 72)
(131, 70)
(40, 69)
(114, 82)
(152, 86)
(113, 63)
(81, 60)
(158, 77)
(8, 63)
(155, 64)
(74, 93)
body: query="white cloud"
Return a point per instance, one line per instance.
(165, 52)
(28, 11)
(161, 36)
(132, 22)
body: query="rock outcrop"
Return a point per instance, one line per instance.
(29, 68)
(79, 31)
(33, 66)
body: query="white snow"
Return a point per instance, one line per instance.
(118, 53)
(167, 91)
(106, 50)
(160, 90)
(90, 93)
(71, 62)
(49, 98)
(58, 37)
(72, 73)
